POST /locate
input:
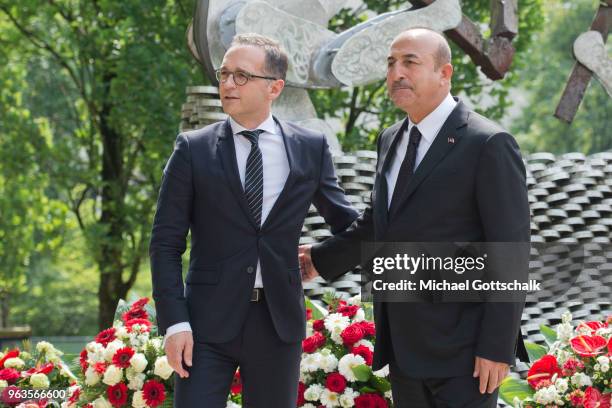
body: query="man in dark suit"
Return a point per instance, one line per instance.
(243, 187)
(444, 174)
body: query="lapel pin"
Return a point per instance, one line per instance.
(451, 140)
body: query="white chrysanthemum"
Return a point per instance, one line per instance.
(310, 362)
(39, 381)
(335, 336)
(330, 399)
(354, 300)
(14, 362)
(112, 348)
(139, 362)
(566, 317)
(581, 380)
(383, 372)
(359, 316)
(137, 381)
(113, 375)
(138, 400)
(336, 321)
(364, 342)
(313, 393)
(101, 402)
(562, 385)
(328, 363)
(3, 383)
(91, 377)
(565, 332)
(346, 364)
(162, 368)
(347, 399)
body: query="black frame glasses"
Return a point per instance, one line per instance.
(240, 77)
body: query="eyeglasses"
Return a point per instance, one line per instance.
(240, 77)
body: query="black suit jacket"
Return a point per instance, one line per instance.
(469, 187)
(201, 191)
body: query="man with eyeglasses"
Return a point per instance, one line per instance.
(243, 187)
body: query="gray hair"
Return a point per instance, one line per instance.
(276, 61)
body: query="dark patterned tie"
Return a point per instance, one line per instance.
(407, 167)
(253, 179)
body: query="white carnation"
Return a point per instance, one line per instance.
(330, 399)
(346, 364)
(113, 375)
(91, 377)
(101, 402)
(39, 381)
(138, 400)
(313, 393)
(162, 368)
(139, 362)
(15, 363)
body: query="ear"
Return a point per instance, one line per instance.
(276, 87)
(446, 72)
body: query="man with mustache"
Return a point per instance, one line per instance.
(243, 188)
(444, 174)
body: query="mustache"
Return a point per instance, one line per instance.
(401, 85)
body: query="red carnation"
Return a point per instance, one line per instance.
(352, 334)
(9, 354)
(318, 325)
(10, 375)
(142, 322)
(117, 394)
(300, 398)
(594, 399)
(106, 336)
(83, 360)
(335, 382)
(6, 395)
(153, 393)
(365, 352)
(369, 329)
(312, 343)
(348, 311)
(588, 346)
(122, 357)
(571, 366)
(542, 370)
(236, 387)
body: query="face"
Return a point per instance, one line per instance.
(413, 83)
(251, 101)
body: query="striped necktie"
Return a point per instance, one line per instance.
(253, 180)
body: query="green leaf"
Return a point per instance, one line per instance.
(316, 310)
(367, 390)
(549, 334)
(380, 384)
(535, 351)
(511, 388)
(363, 372)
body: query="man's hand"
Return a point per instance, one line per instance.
(491, 374)
(307, 268)
(179, 349)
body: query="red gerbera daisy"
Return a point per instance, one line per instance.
(106, 336)
(117, 394)
(153, 393)
(139, 304)
(122, 357)
(134, 314)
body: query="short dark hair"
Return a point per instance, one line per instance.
(276, 61)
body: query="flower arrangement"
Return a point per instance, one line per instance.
(125, 365)
(574, 371)
(32, 376)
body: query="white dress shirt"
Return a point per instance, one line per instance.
(275, 173)
(429, 127)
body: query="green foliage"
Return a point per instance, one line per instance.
(549, 334)
(535, 351)
(512, 388)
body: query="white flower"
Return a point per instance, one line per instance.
(162, 368)
(46, 347)
(546, 395)
(313, 393)
(584, 330)
(603, 360)
(308, 405)
(157, 343)
(346, 364)
(328, 362)
(139, 362)
(354, 300)
(231, 404)
(564, 332)
(112, 348)
(310, 362)
(138, 400)
(566, 317)
(113, 375)
(305, 377)
(95, 352)
(581, 380)
(359, 316)
(39, 380)
(91, 377)
(330, 399)
(389, 395)
(347, 399)
(335, 336)
(561, 385)
(121, 332)
(336, 321)
(364, 342)
(604, 331)
(101, 402)
(24, 355)
(3, 383)
(137, 381)
(383, 372)
(1, 355)
(15, 363)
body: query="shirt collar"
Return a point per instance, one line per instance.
(268, 126)
(432, 123)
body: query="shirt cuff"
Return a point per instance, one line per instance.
(176, 328)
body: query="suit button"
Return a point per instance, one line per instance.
(250, 269)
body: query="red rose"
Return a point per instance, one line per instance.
(370, 401)
(142, 322)
(588, 346)
(352, 334)
(10, 375)
(543, 369)
(106, 336)
(348, 311)
(153, 393)
(236, 387)
(122, 357)
(308, 313)
(571, 366)
(335, 382)
(300, 398)
(379, 401)
(369, 329)
(83, 360)
(594, 399)
(312, 343)
(9, 354)
(365, 352)
(318, 325)
(117, 394)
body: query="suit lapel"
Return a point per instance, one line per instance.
(227, 153)
(447, 137)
